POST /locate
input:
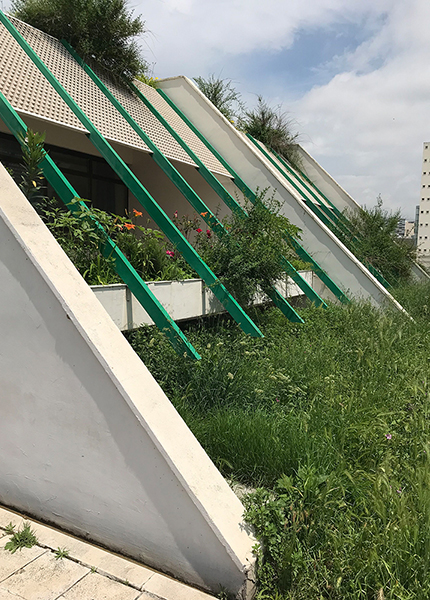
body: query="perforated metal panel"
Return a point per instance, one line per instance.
(28, 91)
(26, 88)
(189, 137)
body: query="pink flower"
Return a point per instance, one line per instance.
(208, 233)
(170, 253)
(388, 436)
(175, 214)
(277, 399)
(199, 230)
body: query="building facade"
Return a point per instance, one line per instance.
(423, 233)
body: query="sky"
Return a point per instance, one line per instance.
(353, 75)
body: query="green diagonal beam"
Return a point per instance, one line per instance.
(340, 219)
(298, 173)
(319, 271)
(180, 183)
(323, 213)
(140, 193)
(239, 182)
(109, 249)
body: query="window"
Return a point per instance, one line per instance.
(424, 173)
(90, 175)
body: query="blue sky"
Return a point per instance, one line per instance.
(355, 76)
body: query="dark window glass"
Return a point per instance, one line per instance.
(91, 176)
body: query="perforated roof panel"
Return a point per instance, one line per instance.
(29, 92)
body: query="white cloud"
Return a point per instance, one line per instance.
(367, 126)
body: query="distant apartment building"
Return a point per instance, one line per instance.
(423, 233)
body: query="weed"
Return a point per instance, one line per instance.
(10, 529)
(23, 538)
(61, 553)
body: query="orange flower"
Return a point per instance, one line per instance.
(204, 214)
(129, 226)
(137, 213)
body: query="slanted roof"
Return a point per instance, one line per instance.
(30, 93)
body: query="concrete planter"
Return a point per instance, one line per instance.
(187, 299)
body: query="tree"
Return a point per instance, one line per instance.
(222, 95)
(273, 128)
(101, 31)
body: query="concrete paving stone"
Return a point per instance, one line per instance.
(5, 595)
(173, 590)
(97, 587)
(45, 578)
(6, 517)
(103, 560)
(10, 563)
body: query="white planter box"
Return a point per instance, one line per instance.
(187, 299)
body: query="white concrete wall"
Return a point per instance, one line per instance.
(88, 440)
(188, 299)
(325, 182)
(338, 262)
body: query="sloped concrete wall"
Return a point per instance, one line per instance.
(325, 182)
(338, 262)
(88, 440)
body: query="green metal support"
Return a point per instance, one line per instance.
(319, 271)
(330, 219)
(140, 193)
(177, 178)
(109, 249)
(239, 182)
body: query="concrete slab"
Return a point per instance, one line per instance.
(89, 555)
(35, 574)
(11, 563)
(164, 587)
(44, 578)
(7, 516)
(97, 587)
(5, 595)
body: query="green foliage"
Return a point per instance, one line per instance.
(222, 94)
(273, 128)
(332, 418)
(9, 529)
(23, 538)
(32, 180)
(148, 80)
(145, 248)
(379, 245)
(61, 553)
(249, 257)
(100, 30)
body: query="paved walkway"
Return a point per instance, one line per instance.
(86, 573)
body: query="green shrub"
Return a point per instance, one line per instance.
(222, 94)
(273, 128)
(378, 243)
(103, 31)
(249, 257)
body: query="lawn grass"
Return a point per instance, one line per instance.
(331, 420)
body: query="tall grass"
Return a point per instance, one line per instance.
(331, 419)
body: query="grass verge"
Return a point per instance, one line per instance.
(330, 420)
